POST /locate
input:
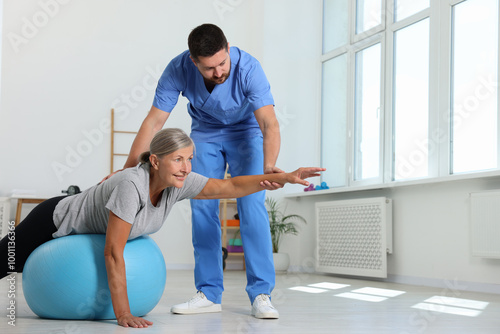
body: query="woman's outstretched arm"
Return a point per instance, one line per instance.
(240, 186)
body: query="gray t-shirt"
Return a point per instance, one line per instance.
(126, 194)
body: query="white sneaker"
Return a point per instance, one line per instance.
(263, 309)
(198, 304)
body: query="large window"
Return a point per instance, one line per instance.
(410, 89)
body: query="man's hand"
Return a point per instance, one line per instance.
(271, 185)
(107, 177)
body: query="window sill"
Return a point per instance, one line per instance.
(394, 184)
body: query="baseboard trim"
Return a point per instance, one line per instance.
(190, 266)
(180, 266)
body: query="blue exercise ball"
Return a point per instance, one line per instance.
(66, 278)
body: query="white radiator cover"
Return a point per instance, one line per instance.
(485, 224)
(354, 236)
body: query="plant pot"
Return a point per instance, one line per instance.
(281, 262)
(235, 246)
(235, 242)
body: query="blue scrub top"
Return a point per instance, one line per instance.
(228, 112)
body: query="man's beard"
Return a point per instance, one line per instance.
(220, 80)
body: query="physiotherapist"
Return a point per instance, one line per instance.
(234, 123)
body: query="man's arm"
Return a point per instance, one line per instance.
(270, 128)
(154, 122)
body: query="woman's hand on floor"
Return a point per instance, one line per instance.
(128, 320)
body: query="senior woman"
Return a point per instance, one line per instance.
(132, 203)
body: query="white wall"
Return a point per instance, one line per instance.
(66, 63)
(291, 54)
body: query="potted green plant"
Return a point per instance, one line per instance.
(280, 225)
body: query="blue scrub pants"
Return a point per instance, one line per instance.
(245, 157)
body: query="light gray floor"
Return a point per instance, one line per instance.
(326, 311)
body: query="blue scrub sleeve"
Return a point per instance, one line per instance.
(258, 88)
(167, 92)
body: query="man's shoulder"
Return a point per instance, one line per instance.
(242, 56)
(180, 60)
(178, 69)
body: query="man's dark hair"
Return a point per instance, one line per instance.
(205, 41)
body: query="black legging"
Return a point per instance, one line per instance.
(36, 229)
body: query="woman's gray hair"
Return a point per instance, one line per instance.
(166, 141)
